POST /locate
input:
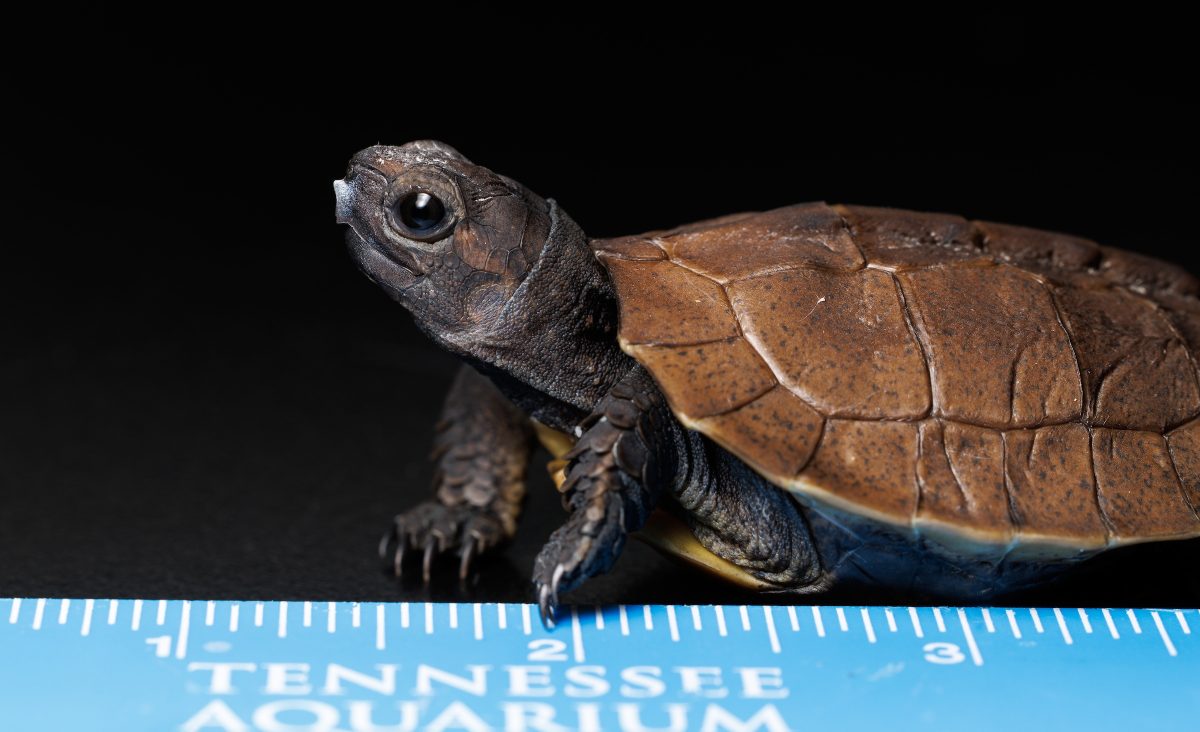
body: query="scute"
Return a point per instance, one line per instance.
(1005, 391)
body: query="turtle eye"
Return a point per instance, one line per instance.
(419, 214)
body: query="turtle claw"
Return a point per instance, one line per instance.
(547, 605)
(468, 553)
(432, 528)
(431, 547)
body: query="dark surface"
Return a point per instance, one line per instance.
(199, 395)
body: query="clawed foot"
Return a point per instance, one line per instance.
(586, 545)
(432, 529)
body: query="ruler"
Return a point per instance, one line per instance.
(109, 664)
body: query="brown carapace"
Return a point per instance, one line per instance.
(1002, 390)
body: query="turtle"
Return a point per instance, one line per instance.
(796, 399)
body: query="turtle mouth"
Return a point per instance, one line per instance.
(384, 268)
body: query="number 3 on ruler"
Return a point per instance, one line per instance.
(943, 653)
(546, 649)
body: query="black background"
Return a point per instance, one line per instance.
(201, 397)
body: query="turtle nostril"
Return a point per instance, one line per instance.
(345, 201)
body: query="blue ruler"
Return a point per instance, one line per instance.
(84, 664)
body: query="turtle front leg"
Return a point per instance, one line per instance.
(482, 448)
(615, 475)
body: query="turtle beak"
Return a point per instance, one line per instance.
(345, 201)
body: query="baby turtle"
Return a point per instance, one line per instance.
(812, 395)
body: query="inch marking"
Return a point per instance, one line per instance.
(1183, 623)
(1037, 620)
(1087, 622)
(331, 617)
(64, 608)
(671, 622)
(1162, 631)
(453, 615)
(233, 617)
(577, 636)
(976, 656)
(841, 616)
(791, 611)
(282, 619)
(1112, 627)
(771, 634)
(647, 619)
(15, 612)
(1012, 623)
(210, 612)
(1137, 627)
(502, 615)
(916, 622)
(185, 620)
(258, 615)
(404, 615)
(987, 621)
(162, 613)
(624, 619)
(356, 615)
(380, 625)
(477, 611)
(745, 613)
(307, 615)
(525, 620)
(38, 611)
(599, 618)
(137, 615)
(941, 622)
(88, 606)
(112, 612)
(891, 619)
(866, 616)
(721, 629)
(428, 618)
(819, 621)
(1062, 626)
(696, 618)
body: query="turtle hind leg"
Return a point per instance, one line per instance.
(742, 518)
(481, 449)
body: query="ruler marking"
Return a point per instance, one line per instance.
(428, 618)
(577, 635)
(972, 646)
(15, 613)
(599, 618)
(525, 619)
(1062, 626)
(791, 611)
(331, 617)
(1162, 631)
(672, 623)
(233, 617)
(1037, 620)
(185, 621)
(112, 612)
(1112, 627)
(1183, 623)
(380, 627)
(841, 616)
(356, 614)
(745, 612)
(818, 621)
(88, 606)
(891, 619)
(210, 612)
(721, 629)
(624, 619)
(647, 617)
(1012, 623)
(941, 622)
(1087, 622)
(404, 615)
(162, 613)
(866, 616)
(771, 634)
(696, 618)
(987, 621)
(307, 619)
(454, 615)
(477, 610)
(38, 611)
(282, 619)
(64, 609)
(916, 622)
(502, 615)
(1137, 627)
(136, 622)
(258, 614)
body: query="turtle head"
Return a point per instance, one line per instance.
(448, 239)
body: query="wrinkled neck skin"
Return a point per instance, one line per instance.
(553, 350)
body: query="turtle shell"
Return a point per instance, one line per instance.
(994, 387)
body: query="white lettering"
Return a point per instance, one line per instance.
(361, 721)
(335, 674)
(586, 681)
(215, 714)
(476, 685)
(323, 716)
(717, 718)
(221, 681)
(457, 715)
(762, 683)
(287, 678)
(694, 679)
(587, 717)
(521, 716)
(642, 682)
(529, 681)
(630, 719)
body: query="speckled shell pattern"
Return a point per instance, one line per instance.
(996, 387)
